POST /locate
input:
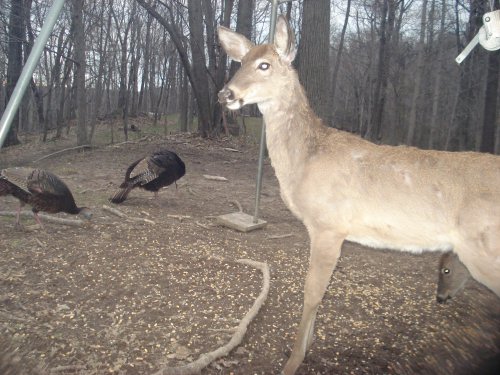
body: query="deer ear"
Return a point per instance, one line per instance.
(284, 40)
(235, 45)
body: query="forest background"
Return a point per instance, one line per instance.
(384, 69)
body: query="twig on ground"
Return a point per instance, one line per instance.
(128, 142)
(230, 149)
(279, 236)
(118, 213)
(202, 225)
(191, 191)
(237, 204)
(40, 243)
(114, 211)
(225, 330)
(205, 359)
(93, 190)
(50, 219)
(67, 368)
(215, 178)
(142, 219)
(180, 217)
(62, 151)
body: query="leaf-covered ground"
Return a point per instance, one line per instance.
(129, 297)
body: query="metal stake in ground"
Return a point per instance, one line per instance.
(240, 220)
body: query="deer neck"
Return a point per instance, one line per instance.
(292, 130)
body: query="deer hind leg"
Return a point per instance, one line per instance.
(325, 250)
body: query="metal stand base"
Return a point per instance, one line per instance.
(240, 221)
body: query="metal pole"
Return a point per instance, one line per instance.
(272, 30)
(26, 74)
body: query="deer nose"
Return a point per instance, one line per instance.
(226, 95)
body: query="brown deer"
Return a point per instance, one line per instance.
(453, 276)
(344, 187)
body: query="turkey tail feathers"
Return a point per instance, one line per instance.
(121, 195)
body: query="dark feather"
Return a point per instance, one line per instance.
(41, 189)
(151, 173)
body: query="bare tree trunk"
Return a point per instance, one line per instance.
(135, 53)
(459, 133)
(436, 92)
(220, 74)
(103, 51)
(384, 58)
(152, 84)
(123, 39)
(313, 55)
(37, 95)
(197, 71)
(490, 104)
(200, 79)
(15, 62)
(55, 85)
(79, 57)
(147, 62)
(68, 64)
(244, 17)
(2, 81)
(338, 57)
(412, 122)
(184, 104)
(164, 78)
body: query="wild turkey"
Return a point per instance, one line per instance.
(41, 189)
(151, 173)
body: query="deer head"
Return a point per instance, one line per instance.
(262, 67)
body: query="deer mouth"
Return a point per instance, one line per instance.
(227, 98)
(234, 104)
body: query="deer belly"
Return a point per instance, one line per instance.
(414, 237)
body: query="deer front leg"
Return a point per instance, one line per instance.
(325, 251)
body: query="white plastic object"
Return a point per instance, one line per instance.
(488, 35)
(468, 49)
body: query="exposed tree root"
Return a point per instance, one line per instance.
(205, 359)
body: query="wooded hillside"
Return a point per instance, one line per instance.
(382, 68)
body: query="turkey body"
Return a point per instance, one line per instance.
(151, 173)
(41, 189)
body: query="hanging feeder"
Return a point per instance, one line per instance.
(488, 35)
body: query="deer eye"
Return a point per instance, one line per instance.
(264, 66)
(445, 271)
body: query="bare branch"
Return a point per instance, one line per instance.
(205, 359)
(119, 213)
(63, 151)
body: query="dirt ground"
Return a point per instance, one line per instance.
(128, 297)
